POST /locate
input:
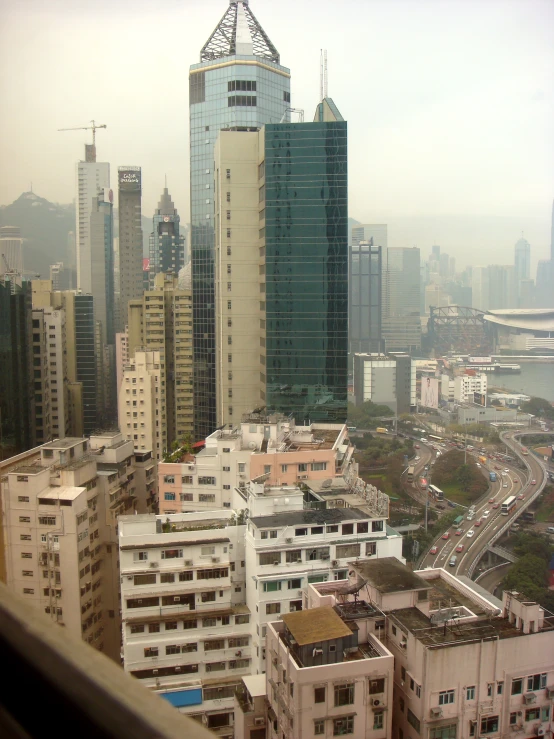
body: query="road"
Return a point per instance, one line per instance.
(516, 481)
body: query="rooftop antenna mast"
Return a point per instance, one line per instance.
(323, 91)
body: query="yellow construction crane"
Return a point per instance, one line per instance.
(87, 128)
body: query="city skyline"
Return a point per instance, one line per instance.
(431, 105)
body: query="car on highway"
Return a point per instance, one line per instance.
(433, 550)
(478, 522)
(470, 534)
(459, 532)
(446, 535)
(416, 458)
(416, 446)
(533, 482)
(470, 516)
(497, 467)
(477, 464)
(491, 500)
(521, 496)
(496, 505)
(506, 470)
(460, 548)
(505, 485)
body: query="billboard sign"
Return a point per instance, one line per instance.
(480, 399)
(429, 396)
(129, 178)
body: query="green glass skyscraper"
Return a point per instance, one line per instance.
(239, 85)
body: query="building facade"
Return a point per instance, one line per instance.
(522, 266)
(238, 85)
(365, 295)
(401, 299)
(162, 322)
(130, 239)
(385, 379)
(92, 178)
(167, 243)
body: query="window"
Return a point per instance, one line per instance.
(286, 97)
(296, 605)
(347, 528)
(319, 694)
(446, 697)
(536, 682)
(443, 732)
(208, 596)
(186, 576)
(169, 478)
(242, 619)
(332, 529)
(284, 467)
(489, 725)
(206, 480)
(190, 647)
(344, 694)
(24, 519)
(215, 666)
(169, 496)
(272, 608)
(319, 726)
(378, 720)
(490, 689)
(348, 550)
(172, 553)
(154, 628)
(319, 553)
(317, 578)
(173, 649)
(377, 526)
(342, 726)
(151, 652)
(517, 686)
(470, 693)
(22, 498)
(238, 641)
(513, 718)
(315, 530)
(242, 467)
(171, 625)
(192, 624)
(301, 532)
(377, 686)
(214, 644)
(371, 548)
(532, 714)
(29, 591)
(269, 558)
(318, 466)
(500, 688)
(413, 720)
(166, 577)
(302, 467)
(206, 497)
(26, 555)
(186, 497)
(295, 584)
(272, 587)
(47, 520)
(144, 579)
(25, 537)
(140, 556)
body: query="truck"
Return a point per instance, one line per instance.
(381, 430)
(483, 460)
(492, 476)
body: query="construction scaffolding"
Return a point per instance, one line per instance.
(454, 328)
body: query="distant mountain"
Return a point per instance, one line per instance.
(44, 227)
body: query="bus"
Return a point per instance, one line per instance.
(381, 430)
(411, 473)
(435, 438)
(508, 505)
(436, 492)
(457, 522)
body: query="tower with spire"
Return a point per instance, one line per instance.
(238, 85)
(167, 244)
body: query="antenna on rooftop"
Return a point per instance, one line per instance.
(323, 91)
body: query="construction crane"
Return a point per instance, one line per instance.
(87, 128)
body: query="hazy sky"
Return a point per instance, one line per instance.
(449, 103)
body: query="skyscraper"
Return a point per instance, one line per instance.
(167, 244)
(364, 329)
(11, 255)
(92, 178)
(401, 299)
(281, 269)
(502, 291)
(130, 239)
(522, 265)
(102, 276)
(239, 85)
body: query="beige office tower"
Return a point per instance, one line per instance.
(162, 321)
(237, 276)
(59, 516)
(141, 403)
(130, 239)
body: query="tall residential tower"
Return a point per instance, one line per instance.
(167, 244)
(130, 240)
(239, 85)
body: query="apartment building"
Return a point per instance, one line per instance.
(141, 405)
(147, 482)
(466, 664)
(328, 674)
(268, 445)
(161, 321)
(186, 628)
(466, 385)
(289, 545)
(60, 506)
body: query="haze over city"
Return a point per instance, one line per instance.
(449, 105)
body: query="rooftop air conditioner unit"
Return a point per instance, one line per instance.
(154, 564)
(188, 562)
(302, 477)
(176, 598)
(238, 654)
(276, 562)
(289, 539)
(376, 702)
(215, 559)
(335, 563)
(259, 721)
(529, 698)
(325, 556)
(550, 691)
(129, 577)
(540, 730)
(436, 712)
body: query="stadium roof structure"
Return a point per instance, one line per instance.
(529, 319)
(239, 32)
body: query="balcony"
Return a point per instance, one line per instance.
(60, 671)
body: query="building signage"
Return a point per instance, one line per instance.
(129, 178)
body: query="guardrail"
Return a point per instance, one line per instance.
(525, 504)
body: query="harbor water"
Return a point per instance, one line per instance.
(536, 379)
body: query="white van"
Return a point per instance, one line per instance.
(550, 530)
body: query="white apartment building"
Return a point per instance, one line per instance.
(272, 446)
(328, 674)
(60, 504)
(466, 385)
(290, 545)
(92, 178)
(141, 403)
(186, 628)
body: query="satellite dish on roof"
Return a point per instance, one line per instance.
(326, 483)
(252, 445)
